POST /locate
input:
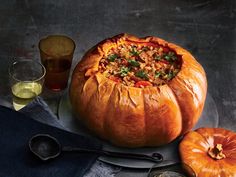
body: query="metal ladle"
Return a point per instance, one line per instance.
(47, 147)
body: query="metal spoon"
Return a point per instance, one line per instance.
(47, 147)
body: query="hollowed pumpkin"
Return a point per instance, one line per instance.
(210, 152)
(138, 114)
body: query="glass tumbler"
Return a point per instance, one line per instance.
(56, 53)
(26, 81)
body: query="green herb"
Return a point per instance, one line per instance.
(124, 71)
(142, 74)
(133, 63)
(157, 57)
(158, 74)
(170, 75)
(112, 57)
(167, 57)
(170, 56)
(134, 52)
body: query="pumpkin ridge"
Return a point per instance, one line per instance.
(145, 120)
(83, 90)
(89, 107)
(145, 108)
(85, 84)
(187, 86)
(131, 100)
(198, 78)
(179, 104)
(106, 117)
(92, 95)
(204, 137)
(229, 141)
(177, 101)
(105, 108)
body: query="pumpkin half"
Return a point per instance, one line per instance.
(210, 152)
(138, 92)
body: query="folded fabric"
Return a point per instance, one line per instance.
(17, 161)
(39, 110)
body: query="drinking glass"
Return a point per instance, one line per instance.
(56, 53)
(26, 80)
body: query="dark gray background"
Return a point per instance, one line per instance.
(207, 28)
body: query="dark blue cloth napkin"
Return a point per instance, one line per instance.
(17, 161)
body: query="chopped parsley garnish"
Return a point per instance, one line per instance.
(157, 57)
(134, 52)
(133, 63)
(158, 74)
(167, 57)
(170, 75)
(112, 57)
(142, 74)
(124, 71)
(170, 56)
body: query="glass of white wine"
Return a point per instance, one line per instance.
(26, 79)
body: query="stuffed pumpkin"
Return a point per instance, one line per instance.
(137, 92)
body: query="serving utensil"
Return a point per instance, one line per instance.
(47, 147)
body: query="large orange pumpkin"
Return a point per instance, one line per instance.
(210, 152)
(137, 117)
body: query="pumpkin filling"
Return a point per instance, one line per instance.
(139, 65)
(216, 152)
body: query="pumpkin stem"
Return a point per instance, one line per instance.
(216, 152)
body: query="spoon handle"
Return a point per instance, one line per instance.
(155, 157)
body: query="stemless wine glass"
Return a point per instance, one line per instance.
(26, 80)
(56, 53)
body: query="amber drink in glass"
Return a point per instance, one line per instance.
(56, 53)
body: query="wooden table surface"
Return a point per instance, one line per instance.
(207, 28)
